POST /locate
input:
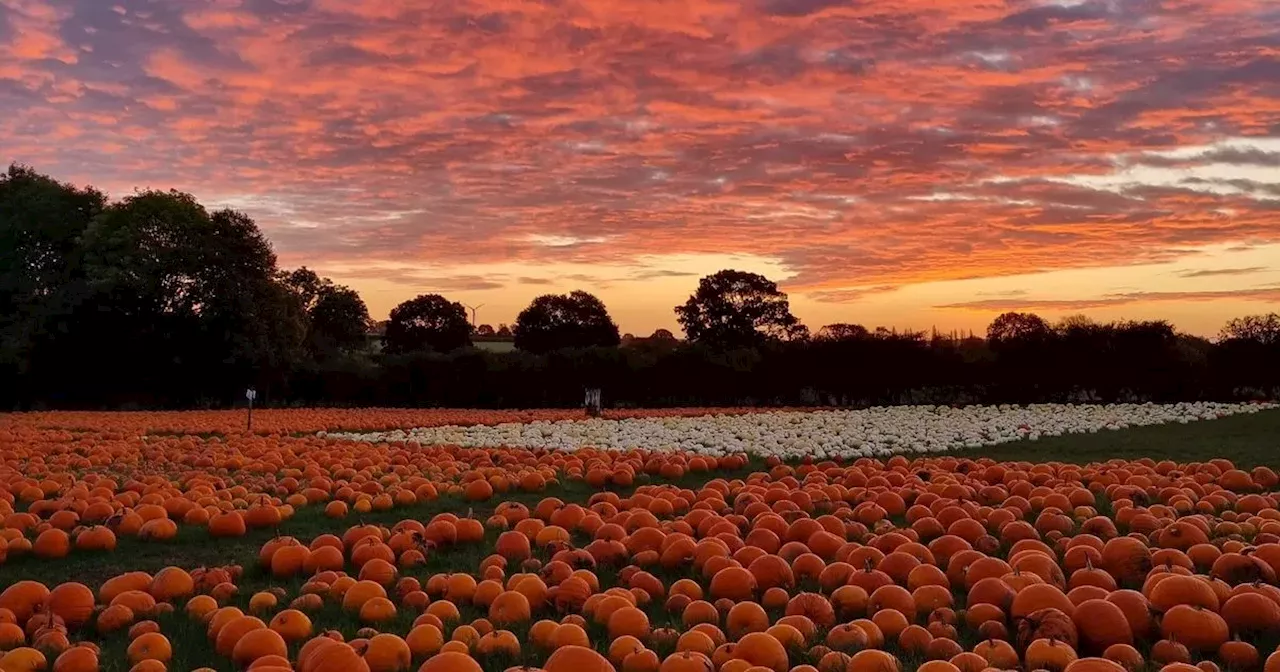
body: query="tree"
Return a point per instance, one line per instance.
(428, 322)
(306, 285)
(503, 331)
(843, 332)
(555, 321)
(663, 335)
(184, 294)
(737, 309)
(337, 318)
(1260, 329)
(484, 330)
(1019, 328)
(42, 222)
(1076, 322)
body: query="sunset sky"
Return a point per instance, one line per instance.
(889, 162)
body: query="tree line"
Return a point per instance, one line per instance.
(156, 301)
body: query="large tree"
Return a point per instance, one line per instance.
(738, 309)
(337, 318)
(842, 331)
(340, 320)
(174, 289)
(42, 222)
(555, 321)
(1259, 329)
(428, 322)
(1021, 329)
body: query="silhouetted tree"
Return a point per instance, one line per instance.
(503, 331)
(484, 330)
(843, 332)
(305, 284)
(662, 335)
(428, 322)
(180, 293)
(734, 309)
(1260, 329)
(574, 320)
(1019, 328)
(42, 222)
(337, 318)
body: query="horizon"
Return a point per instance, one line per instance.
(903, 165)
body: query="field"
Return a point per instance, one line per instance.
(332, 541)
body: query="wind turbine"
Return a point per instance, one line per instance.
(474, 310)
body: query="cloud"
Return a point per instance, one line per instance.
(849, 295)
(426, 283)
(853, 144)
(1262, 294)
(1217, 272)
(659, 273)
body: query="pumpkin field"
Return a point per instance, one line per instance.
(1126, 539)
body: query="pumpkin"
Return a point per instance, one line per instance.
(1101, 624)
(231, 633)
(334, 656)
(171, 583)
(1126, 559)
(76, 659)
(1047, 623)
(1251, 613)
(23, 597)
(571, 659)
(150, 646)
(874, 660)
(258, 643)
(1049, 654)
(229, 524)
(72, 602)
(114, 617)
(1197, 628)
(1093, 665)
(23, 659)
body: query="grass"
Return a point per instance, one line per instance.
(1246, 440)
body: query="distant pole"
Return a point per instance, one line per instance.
(250, 394)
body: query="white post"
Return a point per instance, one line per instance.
(250, 394)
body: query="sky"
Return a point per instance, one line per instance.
(914, 163)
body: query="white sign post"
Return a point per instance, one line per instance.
(250, 394)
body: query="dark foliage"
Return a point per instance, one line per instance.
(736, 309)
(338, 318)
(557, 321)
(428, 322)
